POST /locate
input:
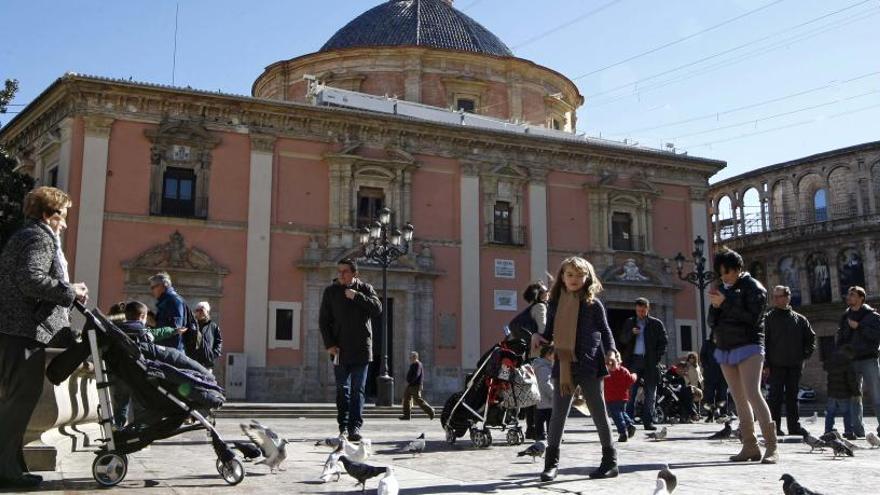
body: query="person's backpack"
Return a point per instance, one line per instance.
(522, 326)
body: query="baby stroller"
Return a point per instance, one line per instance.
(492, 397)
(170, 384)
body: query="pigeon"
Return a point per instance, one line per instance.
(738, 434)
(669, 478)
(249, 450)
(331, 466)
(813, 419)
(723, 419)
(724, 434)
(388, 484)
(814, 442)
(330, 441)
(840, 449)
(358, 453)
(661, 488)
(873, 440)
(274, 449)
(834, 434)
(534, 450)
(417, 446)
(361, 472)
(658, 435)
(791, 487)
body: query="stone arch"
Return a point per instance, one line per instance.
(752, 211)
(875, 178)
(850, 270)
(811, 187)
(788, 270)
(842, 192)
(726, 218)
(195, 274)
(758, 270)
(819, 273)
(784, 209)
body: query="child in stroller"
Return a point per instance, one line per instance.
(493, 394)
(170, 385)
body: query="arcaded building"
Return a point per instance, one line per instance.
(249, 201)
(812, 224)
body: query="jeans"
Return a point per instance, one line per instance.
(784, 381)
(638, 366)
(542, 423)
(351, 379)
(868, 375)
(841, 407)
(617, 410)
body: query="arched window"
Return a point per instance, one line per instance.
(850, 270)
(790, 276)
(752, 212)
(820, 205)
(819, 275)
(726, 223)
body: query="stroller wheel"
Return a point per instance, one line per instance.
(512, 437)
(487, 436)
(110, 468)
(232, 471)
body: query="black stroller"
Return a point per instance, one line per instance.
(480, 407)
(172, 386)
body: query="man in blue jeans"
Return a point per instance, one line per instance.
(643, 341)
(860, 330)
(347, 307)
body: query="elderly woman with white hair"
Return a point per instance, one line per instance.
(208, 344)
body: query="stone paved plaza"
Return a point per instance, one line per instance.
(185, 464)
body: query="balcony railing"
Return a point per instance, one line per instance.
(507, 235)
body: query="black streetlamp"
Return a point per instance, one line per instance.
(384, 246)
(700, 277)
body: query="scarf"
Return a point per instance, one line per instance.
(62, 260)
(565, 335)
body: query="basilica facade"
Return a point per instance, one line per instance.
(249, 201)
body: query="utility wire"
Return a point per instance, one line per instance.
(566, 24)
(679, 40)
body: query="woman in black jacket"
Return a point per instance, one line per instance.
(737, 320)
(578, 328)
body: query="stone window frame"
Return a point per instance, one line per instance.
(516, 180)
(637, 208)
(558, 109)
(296, 331)
(469, 89)
(167, 139)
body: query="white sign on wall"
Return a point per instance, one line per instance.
(505, 269)
(505, 300)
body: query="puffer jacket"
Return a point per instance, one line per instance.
(864, 340)
(34, 296)
(346, 323)
(739, 321)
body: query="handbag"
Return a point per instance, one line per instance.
(523, 390)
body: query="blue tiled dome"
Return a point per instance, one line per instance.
(428, 23)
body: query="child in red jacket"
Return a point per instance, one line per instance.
(617, 387)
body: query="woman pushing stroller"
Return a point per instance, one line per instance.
(578, 327)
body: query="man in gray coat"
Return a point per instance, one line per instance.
(35, 301)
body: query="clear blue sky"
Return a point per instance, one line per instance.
(786, 51)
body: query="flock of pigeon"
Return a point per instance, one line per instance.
(267, 448)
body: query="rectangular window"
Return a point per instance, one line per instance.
(370, 201)
(52, 178)
(686, 338)
(555, 124)
(621, 232)
(501, 227)
(466, 104)
(284, 324)
(178, 198)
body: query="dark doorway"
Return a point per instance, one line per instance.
(376, 365)
(616, 319)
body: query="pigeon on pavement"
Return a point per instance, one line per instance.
(813, 419)
(358, 453)
(791, 487)
(361, 472)
(330, 441)
(388, 484)
(273, 447)
(331, 466)
(873, 440)
(249, 450)
(534, 450)
(417, 446)
(660, 488)
(658, 435)
(724, 434)
(669, 477)
(834, 434)
(839, 448)
(814, 442)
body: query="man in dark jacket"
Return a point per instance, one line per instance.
(789, 341)
(643, 342)
(714, 384)
(208, 346)
(347, 307)
(415, 381)
(170, 309)
(860, 331)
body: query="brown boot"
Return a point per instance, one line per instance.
(750, 450)
(770, 454)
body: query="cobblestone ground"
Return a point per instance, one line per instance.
(185, 464)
